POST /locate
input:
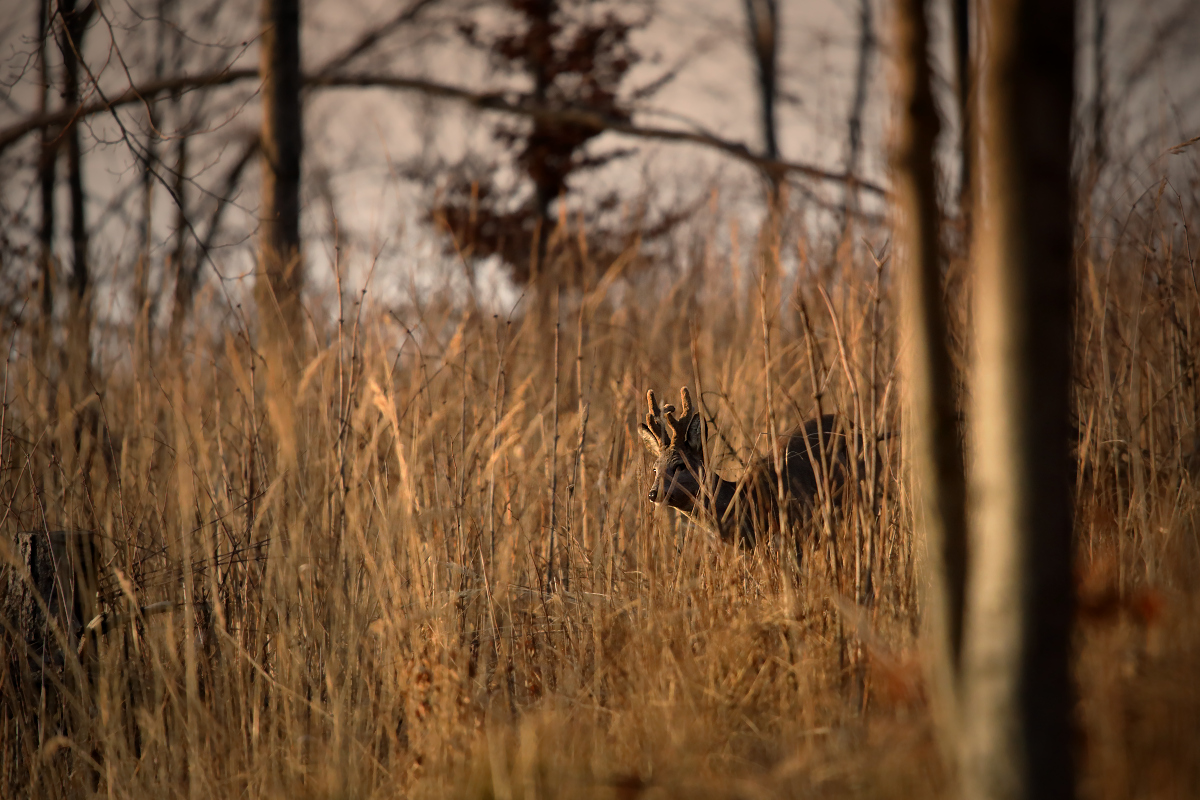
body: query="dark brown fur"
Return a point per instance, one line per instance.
(744, 510)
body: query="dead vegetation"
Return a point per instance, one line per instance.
(426, 566)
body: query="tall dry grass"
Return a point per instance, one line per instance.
(425, 565)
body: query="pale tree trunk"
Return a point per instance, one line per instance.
(1017, 738)
(933, 431)
(281, 276)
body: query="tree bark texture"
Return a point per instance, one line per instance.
(281, 276)
(1018, 697)
(934, 431)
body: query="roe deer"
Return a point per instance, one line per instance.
(739, 511)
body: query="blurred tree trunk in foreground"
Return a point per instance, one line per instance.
(933, 414)
(1017, 691)
(280, 279)
(964, 72)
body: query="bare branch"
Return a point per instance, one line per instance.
(488, 101)
(374, 36)
(495, 101)
(134, 94)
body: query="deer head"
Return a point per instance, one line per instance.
(677, 444)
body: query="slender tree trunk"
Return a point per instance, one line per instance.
(762, 20)
(933, 428)
(1018, 696)
(79, 323)
(762, 24)
(866, 46)
(47, 180)
(143, 313)
(141, 276)
(143, 301)
(279, 225)
(185, 273)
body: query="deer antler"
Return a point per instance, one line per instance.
(663, 424)
(653, 422)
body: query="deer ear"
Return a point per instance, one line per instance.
(650, 440)
(695, 433)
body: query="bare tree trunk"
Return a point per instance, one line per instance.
(79, 323)
(762, 23)
(279, 231)
(933, 427)
(142, 305)
(762, 19)
(47, 180)
(1018, 696)
(141, 273)
(866, 45)
(185, 272)
(280, 312)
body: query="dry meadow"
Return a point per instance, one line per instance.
(422, 564)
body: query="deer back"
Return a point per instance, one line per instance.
(809, 454)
